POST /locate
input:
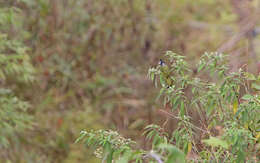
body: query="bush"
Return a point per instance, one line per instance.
(15, 69)
(228, 108)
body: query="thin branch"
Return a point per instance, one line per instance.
(237, 37)
(178, 118)
(225, 28)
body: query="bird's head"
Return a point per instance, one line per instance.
(161, 63)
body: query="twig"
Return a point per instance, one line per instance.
(178, 118)
(225, 28)
(237, 37)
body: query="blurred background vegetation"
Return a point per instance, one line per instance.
(69, 65)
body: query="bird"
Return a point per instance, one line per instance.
(165, 74)
(161, 63)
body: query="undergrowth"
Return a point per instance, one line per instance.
(228, 107)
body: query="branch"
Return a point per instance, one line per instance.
(226, 28)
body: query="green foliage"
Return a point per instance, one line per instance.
(215, 142)
(13, 117)
(91, 58)
(110, 146)
(15, 69)
(156, 134)
(14, 61)
(218, 103)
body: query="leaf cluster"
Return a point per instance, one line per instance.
(228, 107)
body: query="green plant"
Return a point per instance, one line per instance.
(228, 107)
(110, 146)
(227, 102)
(15, 69)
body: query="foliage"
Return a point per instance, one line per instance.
(219, 104)
(16, 68)
(111, 147)
(15, 62)
(90, 59)
(14, 118)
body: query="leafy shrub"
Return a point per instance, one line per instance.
(15, 69)
(110, 146)
(228, 107)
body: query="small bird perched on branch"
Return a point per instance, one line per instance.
(165, 74)
(161, 62)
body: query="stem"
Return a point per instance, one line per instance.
(178, 118)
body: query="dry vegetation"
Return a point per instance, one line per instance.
(70, 65)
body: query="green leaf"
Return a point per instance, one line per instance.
(175, 155)
(250, 76)
(82, 135)
(247, 97)
(235, 105)
(241, 157)
(201, 66)
(215, 142)
(125, 157)
(109, 152)
(256, 86)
